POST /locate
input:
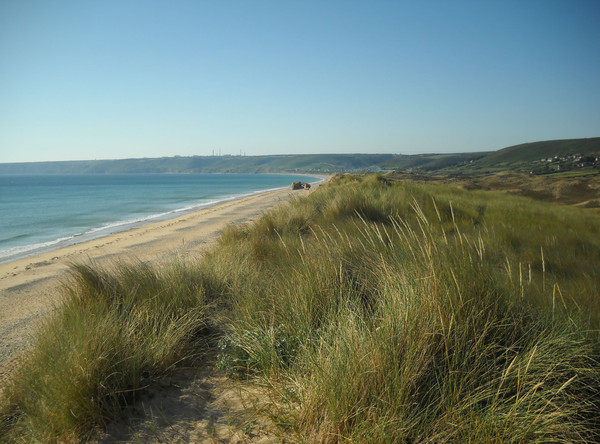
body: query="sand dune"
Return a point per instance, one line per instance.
(29, 288)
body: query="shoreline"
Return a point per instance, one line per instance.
(29, 287)
(16, 253)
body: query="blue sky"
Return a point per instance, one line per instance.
(114, 79)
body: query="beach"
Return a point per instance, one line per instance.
(30, 287)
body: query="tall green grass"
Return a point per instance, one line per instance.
(381, 312)
(370, 311)
(116, 331)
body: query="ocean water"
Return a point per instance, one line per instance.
(42, 213)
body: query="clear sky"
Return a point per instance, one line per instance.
(105, 79)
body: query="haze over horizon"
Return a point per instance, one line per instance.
(110, 80)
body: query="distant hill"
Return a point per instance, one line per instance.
(430, 162)
(528, 152)
(539, 157)
(309, 163)
(544, 157)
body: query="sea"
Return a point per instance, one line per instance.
(43, 213)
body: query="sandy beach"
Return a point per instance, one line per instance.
(29, 288)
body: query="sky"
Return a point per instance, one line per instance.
(116, 79)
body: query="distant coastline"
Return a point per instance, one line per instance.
(284, 164)
(565, 154)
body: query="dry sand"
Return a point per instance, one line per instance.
(29, 287)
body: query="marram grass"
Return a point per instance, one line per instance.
(427, 325)
(116, 330)
(371, 311)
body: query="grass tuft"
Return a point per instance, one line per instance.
(115, 332)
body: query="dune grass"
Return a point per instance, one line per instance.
(371, 311)
(116, 331)
(382, 312)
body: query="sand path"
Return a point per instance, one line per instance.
(29, 288)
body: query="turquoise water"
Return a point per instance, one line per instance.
(41, 213)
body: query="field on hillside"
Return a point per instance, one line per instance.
(376, 309)
(567, 189)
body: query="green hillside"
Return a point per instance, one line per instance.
(431, 162)
(310, 163)
(544, 157)
(528, 152)
(307, 163)
(553, 156)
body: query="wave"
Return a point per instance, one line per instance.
(19, 252)
(15, 237)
